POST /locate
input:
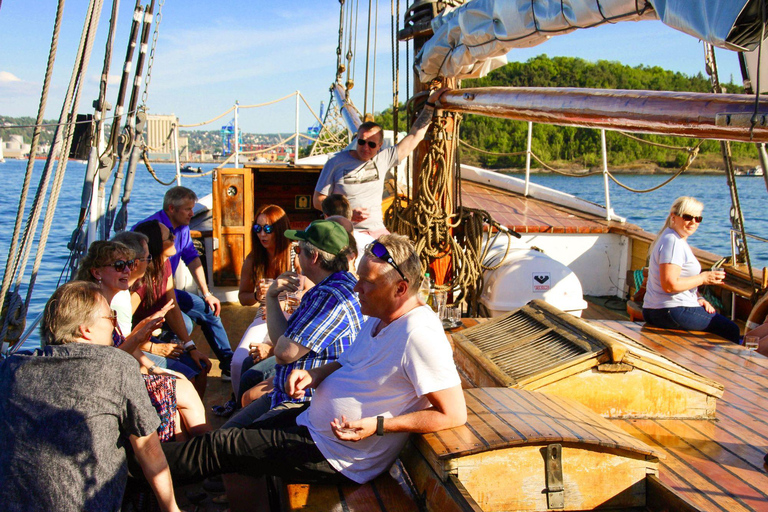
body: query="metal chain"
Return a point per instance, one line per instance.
(155, 34)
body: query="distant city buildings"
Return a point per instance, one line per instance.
(160, 139)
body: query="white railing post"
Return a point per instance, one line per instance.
(605, 176)
(296, 141)
(237, 136)
(176, 151)
(528, 158)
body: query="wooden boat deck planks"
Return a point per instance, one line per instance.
(714, 465)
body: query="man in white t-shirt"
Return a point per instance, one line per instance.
(359, 173)
(398, 377)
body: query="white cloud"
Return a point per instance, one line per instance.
(5, 76)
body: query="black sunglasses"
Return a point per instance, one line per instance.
(380, 251)
(363, 142)
(120, 265)
(147, 259)
(266, 227)
(689, 218)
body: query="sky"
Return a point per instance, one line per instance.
(211, 54)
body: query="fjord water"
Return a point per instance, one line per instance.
(646, 210)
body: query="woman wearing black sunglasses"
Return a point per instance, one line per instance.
(671, 299)
(180, 409)
(271, 255)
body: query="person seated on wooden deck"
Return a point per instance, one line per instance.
(398, 377)
(177, 213)
(335, 206)
(359, 173)
(674, 274)
(69, 410)
(326, 322)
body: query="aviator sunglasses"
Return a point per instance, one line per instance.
(380, 251)
(363, 142)
(266, 227)
(687, 217)
(121, 265)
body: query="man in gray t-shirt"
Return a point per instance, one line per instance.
(69, 410)
(359, 173)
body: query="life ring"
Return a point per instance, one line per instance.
(758, 313)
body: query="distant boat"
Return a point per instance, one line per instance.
(189, 169)
(755, 171)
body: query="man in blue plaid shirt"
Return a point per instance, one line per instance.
(326, 322)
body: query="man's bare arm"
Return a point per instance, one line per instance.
(317, 200)
(155, 467)
(419, 129)
(288, 351)
(448, 410)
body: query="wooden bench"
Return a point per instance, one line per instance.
(385, 493)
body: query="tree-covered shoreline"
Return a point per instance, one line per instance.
(579, 148)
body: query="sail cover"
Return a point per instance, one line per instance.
(473, 39)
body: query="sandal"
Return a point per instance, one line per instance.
(225, 410)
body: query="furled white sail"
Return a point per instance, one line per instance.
(473, 39)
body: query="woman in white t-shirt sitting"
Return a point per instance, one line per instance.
(674, 275)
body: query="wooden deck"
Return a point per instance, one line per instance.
(714, 465)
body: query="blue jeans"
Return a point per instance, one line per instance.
(198, 311)
(253, 373)
(693, 319)
(185, 365)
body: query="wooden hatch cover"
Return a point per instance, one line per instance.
(523, 450)
(538, 347)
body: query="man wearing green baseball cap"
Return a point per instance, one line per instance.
(308, 339)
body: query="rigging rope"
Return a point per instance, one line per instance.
(61, 145)
(11, 313)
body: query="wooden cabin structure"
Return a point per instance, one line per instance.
(540, 348)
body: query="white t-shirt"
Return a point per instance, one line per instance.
(121, 303)
(362, 183)
(361, 239)
(671, 248)
(387, 375)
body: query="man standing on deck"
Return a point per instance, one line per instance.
(326, 322)
(359, 173)
(69, 410)
(177, 212)
(398, 377)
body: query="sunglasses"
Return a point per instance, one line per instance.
(147, 259)
(266, 227)
(689, 218)
(171, 237)
(121, 265)
(363, 142)
(380, 251)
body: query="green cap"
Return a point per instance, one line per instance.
(326, 235)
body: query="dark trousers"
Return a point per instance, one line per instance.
(693, 319)
(198, 311)
(275, 446)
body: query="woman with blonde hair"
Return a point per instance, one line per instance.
(671, 299)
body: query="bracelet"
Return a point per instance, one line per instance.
(206, 295)
(379, 425)
(151, 369)
(430, 104)
(190, 346)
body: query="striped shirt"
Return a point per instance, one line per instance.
(326, 322)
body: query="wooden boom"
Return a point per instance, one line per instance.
(686, 114)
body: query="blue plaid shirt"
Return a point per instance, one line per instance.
(326, 322)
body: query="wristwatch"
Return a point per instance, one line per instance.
(379, 425)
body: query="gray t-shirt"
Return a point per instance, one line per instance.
(362, 183)
(66, 413)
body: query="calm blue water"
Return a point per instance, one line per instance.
(146, 198)
(646, 210)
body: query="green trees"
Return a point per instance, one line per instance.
(562, 145)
